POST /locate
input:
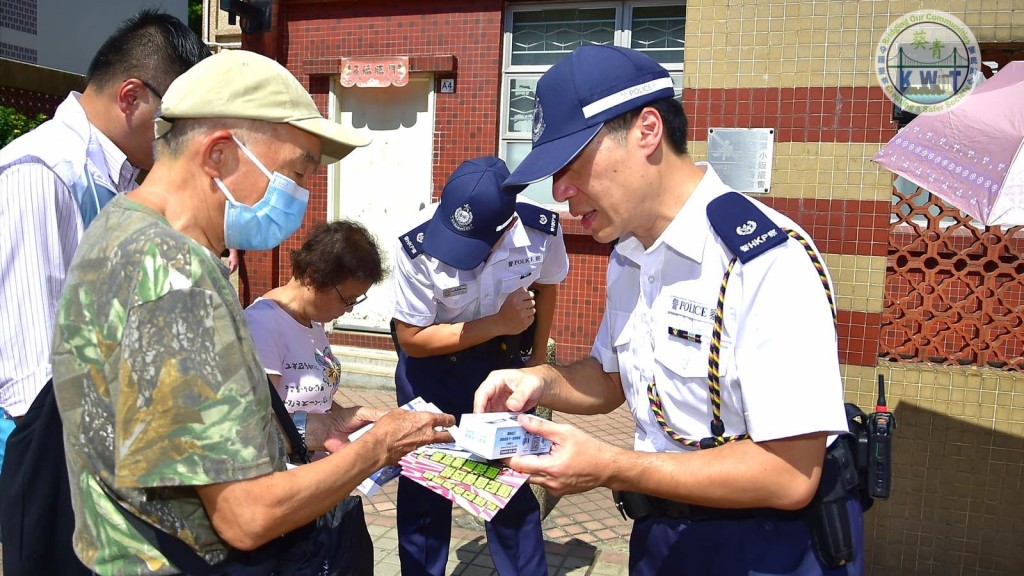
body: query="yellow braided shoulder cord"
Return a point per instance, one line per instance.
(718, 436)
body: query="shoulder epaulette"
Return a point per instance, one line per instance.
(537, 218)
(412, 241)
(744, 228)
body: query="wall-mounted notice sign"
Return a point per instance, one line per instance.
(374, 72)
(742, 157)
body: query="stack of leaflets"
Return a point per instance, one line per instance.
(482, 488)
(461, 471)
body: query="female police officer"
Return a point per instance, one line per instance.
(477, 270)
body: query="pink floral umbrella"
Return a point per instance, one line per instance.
(971, 154)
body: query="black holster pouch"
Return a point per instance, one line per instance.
(827, 515)
(510, 351)
(632, 504)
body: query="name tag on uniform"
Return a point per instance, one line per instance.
(456, 291)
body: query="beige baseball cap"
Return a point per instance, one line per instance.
(243, 84)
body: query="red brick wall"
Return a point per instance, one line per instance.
(467, 123)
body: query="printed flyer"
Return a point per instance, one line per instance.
(480, 487)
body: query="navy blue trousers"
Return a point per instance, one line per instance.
(424, 518)
(661, 546)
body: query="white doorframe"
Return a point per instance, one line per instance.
(389, 180)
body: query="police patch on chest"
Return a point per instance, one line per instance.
(456, 291)
(690, 309)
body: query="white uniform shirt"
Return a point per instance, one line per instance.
(427, 291)
(779, 369)
(44, 175)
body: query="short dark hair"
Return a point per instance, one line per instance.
(152, 46)
(672, 116)
(335, 252)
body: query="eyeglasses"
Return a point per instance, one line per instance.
(359, 300)
(152, 89)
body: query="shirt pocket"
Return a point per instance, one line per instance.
(511, 284)
(683, 346)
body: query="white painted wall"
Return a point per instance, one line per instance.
(70, 31)
(384, 184)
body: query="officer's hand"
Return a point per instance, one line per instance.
(339, 423)
(577, 462)
(402, 431)
(517, 312)
(508, 390)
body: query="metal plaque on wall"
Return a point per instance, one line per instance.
(742, 157)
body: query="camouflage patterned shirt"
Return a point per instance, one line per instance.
(159, 386)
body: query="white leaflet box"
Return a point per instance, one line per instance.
(498, 435)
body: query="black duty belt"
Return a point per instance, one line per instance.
(489, 348)
(503, 351)
(636, 506)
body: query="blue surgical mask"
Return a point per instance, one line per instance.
(270, 221)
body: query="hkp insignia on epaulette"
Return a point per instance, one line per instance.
(745, 229)
(537, 218)
(412, 241)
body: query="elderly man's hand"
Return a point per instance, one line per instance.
(402, 431)
(340, 422)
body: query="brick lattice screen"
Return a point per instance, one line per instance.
(28, 102)
(953, 289)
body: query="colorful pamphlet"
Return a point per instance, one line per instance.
(455, 472)
(481, 487)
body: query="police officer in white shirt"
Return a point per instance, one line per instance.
(719, 331)
(56, 178)
(474, 273)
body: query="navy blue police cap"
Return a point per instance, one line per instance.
(577, 95)
(472, 215)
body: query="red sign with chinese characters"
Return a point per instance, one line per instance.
(374, 72)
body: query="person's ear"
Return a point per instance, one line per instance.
(649, 129)
(128, 95)
(219, 153)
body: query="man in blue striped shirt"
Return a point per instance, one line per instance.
(55, 179)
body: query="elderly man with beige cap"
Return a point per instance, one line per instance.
(166, 407)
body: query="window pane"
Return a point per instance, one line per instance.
(539, 192)
(658, 31)
(521, 100)
(543, 37)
